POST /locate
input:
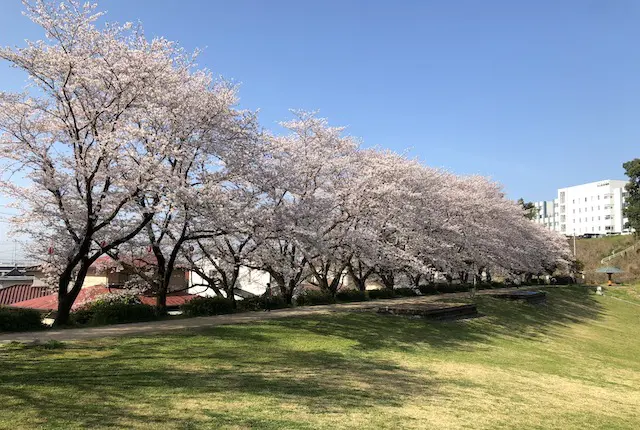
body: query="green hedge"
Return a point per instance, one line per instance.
(204, 306)
(351, 296)
(453, 288)
(15, 319)
(428, 289)
(313, 297)
(383, 293)
(114, 310)
(405, 292)
(259, 303)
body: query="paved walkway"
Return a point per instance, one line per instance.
(203, 322)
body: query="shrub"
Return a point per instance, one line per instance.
(383, 293)
(114, 308)
(427, 290)
(258, 303)
(204, 306)
(15, 319)
(313, 297)
(104, 313)
(351, 296)
(405, 292)
(81, 316)
(250, 304)
(562, 280)
(452, 288)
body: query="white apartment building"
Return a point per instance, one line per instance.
(593, 208)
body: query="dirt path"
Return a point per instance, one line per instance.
(202, 322)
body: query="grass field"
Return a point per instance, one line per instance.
(573, 363)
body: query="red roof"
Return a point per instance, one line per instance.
(19, 293)
(172, 299)
(88, 294)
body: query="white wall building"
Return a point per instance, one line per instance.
(593, 208)
(249, 280)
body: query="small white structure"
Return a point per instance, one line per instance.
(250, 280)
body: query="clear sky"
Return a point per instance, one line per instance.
(535, 94)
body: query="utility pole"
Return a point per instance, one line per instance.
(574, 242)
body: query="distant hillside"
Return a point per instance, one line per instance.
(591, 251)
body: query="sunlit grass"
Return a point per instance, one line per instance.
(572, 363)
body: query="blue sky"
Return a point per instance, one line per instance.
(535, 94)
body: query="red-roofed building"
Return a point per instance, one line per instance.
(20, 293)
(88, 294)
(112, 273)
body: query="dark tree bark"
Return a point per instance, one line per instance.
(387, 277)
(359, 274)
(415, 279)
(328, 280)
(82, 261)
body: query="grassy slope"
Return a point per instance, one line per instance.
(570, 364)
(591, 251)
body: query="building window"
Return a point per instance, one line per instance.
(585, 199)
(598, 196)
(607, 217)
(574, 200)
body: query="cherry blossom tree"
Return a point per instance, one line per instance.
(237, 215)
(212, 143)
(304, 178)
(123, 148)
(92, 135)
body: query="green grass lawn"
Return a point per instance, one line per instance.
(573, 363)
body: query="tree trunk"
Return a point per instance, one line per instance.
(387, 278)
(230, 288)
(360, 283)
(360, 278)
(288, 297)
(163, 278)
(161, 299)
(323, 284)
(415, 280)
(66, 297)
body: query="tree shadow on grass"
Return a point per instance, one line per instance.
(141, 381)
(138, 383)
(500, 318)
